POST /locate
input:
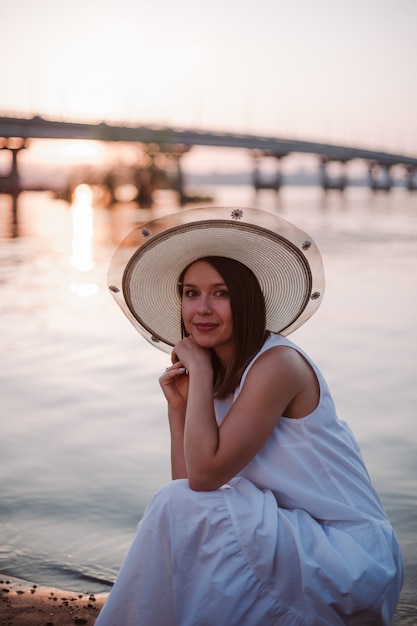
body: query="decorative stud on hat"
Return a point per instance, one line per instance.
(145, 269)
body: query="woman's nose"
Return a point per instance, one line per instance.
(204, 304)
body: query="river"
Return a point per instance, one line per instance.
(84, 437)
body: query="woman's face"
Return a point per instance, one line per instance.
(206, 308)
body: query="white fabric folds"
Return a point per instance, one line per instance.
(299, 538)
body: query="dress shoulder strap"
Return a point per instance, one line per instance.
(272, 341)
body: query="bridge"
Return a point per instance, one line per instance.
(16, 131)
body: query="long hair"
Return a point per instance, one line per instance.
(249, 321)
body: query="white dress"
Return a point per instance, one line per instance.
(299, 537)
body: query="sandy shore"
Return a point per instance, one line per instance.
(26, 604)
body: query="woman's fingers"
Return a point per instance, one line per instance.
(173, 371)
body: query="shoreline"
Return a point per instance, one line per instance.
(23, 603)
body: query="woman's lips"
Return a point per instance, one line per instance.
(205, 328)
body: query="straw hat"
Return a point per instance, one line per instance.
(144, 272)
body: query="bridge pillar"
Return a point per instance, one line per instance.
(411, 180)
(379, 176)
(12, 181)
(332, 183)
(258, 183)
(178, 184)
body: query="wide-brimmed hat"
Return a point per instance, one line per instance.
(144, 272)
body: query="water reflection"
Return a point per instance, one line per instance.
(82, 229)
(82, 258)
(84, 442)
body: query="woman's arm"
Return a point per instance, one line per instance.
(176, 427)
(174, 384)
(280, 381)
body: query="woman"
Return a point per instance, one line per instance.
(271, 517)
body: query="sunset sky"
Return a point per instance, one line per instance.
(328, 70)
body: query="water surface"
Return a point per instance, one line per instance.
(84, 438)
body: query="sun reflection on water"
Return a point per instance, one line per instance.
(82, 258)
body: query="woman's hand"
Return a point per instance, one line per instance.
(181, 384)
(186, 356)
(192, 356)
(174, 384)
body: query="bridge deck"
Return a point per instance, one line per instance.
(39, 128)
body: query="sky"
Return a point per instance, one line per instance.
(339, 71)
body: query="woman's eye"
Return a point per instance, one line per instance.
(222, 293)
(190, 293)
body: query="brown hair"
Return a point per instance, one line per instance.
(249, 320)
